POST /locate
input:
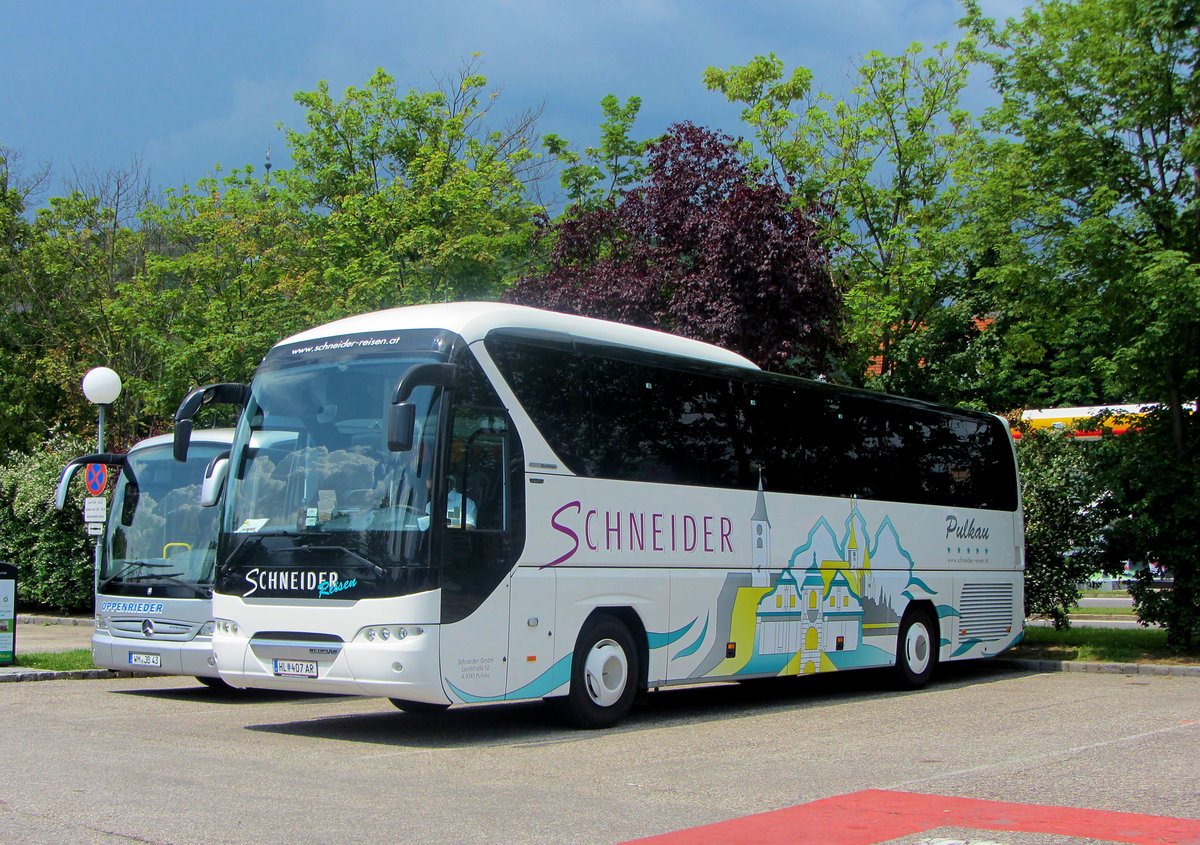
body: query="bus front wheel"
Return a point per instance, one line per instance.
(916, 649)
(604, 674)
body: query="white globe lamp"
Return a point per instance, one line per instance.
(101, 386)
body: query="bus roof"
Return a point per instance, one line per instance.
(199, 435)
(473, 320)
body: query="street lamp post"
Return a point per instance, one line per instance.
(101, 386)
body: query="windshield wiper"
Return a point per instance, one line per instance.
(179, 582)
(130, 566)
(255, 541)
(379, 570)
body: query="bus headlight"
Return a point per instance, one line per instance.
(225, 626)
(389, 632)
(206, 630)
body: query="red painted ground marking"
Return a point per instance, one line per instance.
(876, 815)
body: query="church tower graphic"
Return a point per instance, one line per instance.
(817, 612)
(760, 541)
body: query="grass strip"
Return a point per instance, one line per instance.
(1123, 612)
(1102, 645)
(57, 661)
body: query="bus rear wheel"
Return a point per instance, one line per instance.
(916, 649)
(604, 674)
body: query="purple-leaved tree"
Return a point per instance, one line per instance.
(701, 249)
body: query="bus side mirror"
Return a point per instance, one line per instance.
(183, 439)
(64, 482)
(214, 480)
(402, 423)
(226, 393)
(115, 459)
(402, 416)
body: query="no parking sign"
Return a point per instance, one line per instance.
(96, 478)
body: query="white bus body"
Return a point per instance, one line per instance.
(154, 563)
(641, 510)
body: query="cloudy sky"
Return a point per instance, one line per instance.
(183, 86)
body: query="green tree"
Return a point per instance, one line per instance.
(889, 164)
(221, 286)
(392, 200)
(416, 198)
(616, 164)
(1104, 98)
(1065, 517)
(61, 273)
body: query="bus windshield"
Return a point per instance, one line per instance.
(160, 541)
(318, 506)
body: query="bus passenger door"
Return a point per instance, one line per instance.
(479, 509)
(531, 634)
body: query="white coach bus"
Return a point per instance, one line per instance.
(477, 502)
(154, 564)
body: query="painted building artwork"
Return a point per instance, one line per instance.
(835, 605)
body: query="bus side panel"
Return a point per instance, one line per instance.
(768, 584)
(987, 616)
(475, 651)
(533, 635)
(704, 620)
(583, 590)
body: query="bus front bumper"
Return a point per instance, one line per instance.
(405, 667)
(156, 657)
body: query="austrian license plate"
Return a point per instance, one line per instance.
(136, 659)
(296, 668)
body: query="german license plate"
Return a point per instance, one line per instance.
(296, 668)
(136, 659)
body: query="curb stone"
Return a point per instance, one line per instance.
(1170, 669)
(19, 673)
(33, 619)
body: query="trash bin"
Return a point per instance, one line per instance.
(8, 614)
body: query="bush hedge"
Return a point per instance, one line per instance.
(53, 554)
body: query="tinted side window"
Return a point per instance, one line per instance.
(819, 441)
(624, 416)
(651, 423)
(608, 416)
(551, 384)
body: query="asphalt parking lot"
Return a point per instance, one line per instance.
(164, 760)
